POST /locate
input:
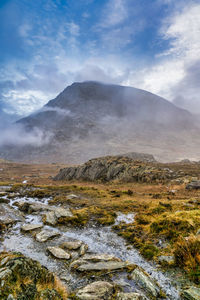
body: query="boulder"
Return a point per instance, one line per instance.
(149, 285)
(99, 290)
(193, 185)
(45, 235)
(59, 253)
(193, 293)
(31, 227)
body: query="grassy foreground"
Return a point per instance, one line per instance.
(167, 215)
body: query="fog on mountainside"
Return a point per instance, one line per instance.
(91, 119)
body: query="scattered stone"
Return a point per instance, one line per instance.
(98, 290)
(130, 296)
(49, 218)
(57, 215)
(83, 249)
(165, 260)
(45, 235)
(193, 293)
(193, 185)
(31, 227)
(59, 253)
(143, 279)
(71, 245)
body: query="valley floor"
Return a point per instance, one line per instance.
(158, 222)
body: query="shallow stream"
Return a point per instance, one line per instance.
(101, 240)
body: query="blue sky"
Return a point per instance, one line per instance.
(48, 44)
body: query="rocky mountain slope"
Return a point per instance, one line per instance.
(92, 119)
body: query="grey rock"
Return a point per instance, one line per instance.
(100, 290)
(59, 253)
(166, 260)
(83, 249)
(49, 218)
(115, 168)
(193, 185)
(149, 285)
(193, 293)
(45, 235)
(56, 215)
(130, 296)
(31, 227)
(75, 245)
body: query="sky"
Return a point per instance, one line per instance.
(46, 45)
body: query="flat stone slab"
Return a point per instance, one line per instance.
(193, 293)
(149, 285)
(45, 235)
(59, 253)
(100, 258)
(31, 227)
(99, 290)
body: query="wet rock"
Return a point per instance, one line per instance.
(149, 285)
(83, 249)
(24, 278)
(45, 235)
(101, 262)
(49, 218)
(99, 290)
(165, 260)
(71, 245)
(57, 215)
(100, 258)
(193, 185)
(193, 293)
(31, 227)
(130, 296)
(59, 253)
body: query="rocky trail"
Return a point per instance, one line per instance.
(91, 261)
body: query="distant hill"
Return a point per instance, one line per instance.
(92, 119)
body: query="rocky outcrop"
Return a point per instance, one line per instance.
(145, 157)
(116, 168)
(24, 278)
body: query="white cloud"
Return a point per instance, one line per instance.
(168, 77)
(115, 13)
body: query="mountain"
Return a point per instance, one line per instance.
(92, 119)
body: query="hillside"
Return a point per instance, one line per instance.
(92, 119)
